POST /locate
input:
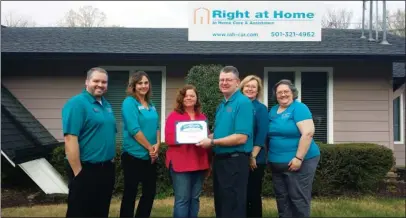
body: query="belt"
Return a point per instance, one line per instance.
(230, 155)
(100, 164)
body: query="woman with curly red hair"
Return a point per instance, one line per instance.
(187, 163)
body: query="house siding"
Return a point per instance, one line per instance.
(173, 84)
(363, 104)
(44, 97)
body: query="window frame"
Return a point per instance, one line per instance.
(298, 84)
(401, 119)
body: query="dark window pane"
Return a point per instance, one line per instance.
(396, 119)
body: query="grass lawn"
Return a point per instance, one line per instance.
(321, 207)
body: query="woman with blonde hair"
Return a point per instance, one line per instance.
(251, 86)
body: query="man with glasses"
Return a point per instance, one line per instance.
(232, 143)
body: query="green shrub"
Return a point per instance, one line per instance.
(206, 80)
(343, 169)
(352, 168)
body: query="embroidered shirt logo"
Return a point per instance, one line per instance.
(286, 115)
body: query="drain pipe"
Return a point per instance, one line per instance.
(371, 5)
(363, 20)
(377, 22)
(384, 21)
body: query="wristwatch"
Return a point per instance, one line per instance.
(212, 142)
(252, 156)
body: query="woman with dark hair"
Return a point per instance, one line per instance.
(187, 163)
(293, 154)
(141, 141)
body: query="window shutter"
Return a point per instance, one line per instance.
(273, 78)
(314, 95)
(117, 85)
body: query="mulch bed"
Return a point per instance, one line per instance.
(12, 197)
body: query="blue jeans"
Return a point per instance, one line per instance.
(187, 187)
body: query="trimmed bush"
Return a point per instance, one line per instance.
(206, 80)
(352, 168)
(343, 169)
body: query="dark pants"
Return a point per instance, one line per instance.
(138, 171)
(91, 190)
(230, 180)
(254, 191)
(187, 187)
(293, 189)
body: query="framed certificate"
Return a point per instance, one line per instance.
(190, 132)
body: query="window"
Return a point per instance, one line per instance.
(398, 119)
(313, 87)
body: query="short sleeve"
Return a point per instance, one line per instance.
(301, 112)
(244, 119)
(130, 116)
(73, 117)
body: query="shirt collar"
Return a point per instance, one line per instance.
(91, 98)
(233, 96)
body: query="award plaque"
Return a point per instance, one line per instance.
(190, 132)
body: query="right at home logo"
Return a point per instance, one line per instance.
(201, 16)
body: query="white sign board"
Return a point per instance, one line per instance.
(255, 21)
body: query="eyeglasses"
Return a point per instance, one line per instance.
(283, 92)
(226, 80)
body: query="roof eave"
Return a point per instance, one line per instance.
(205, 56)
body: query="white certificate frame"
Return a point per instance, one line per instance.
(197, 130)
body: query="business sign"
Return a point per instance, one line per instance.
(254, 21)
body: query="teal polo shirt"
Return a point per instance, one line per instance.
(138, 118)
(94, 124)
(284, 135)
(234, 116)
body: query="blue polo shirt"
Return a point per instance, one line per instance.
(137, 118)
(260, 129)
(285, 135)
(94, 124)
(234, 116)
